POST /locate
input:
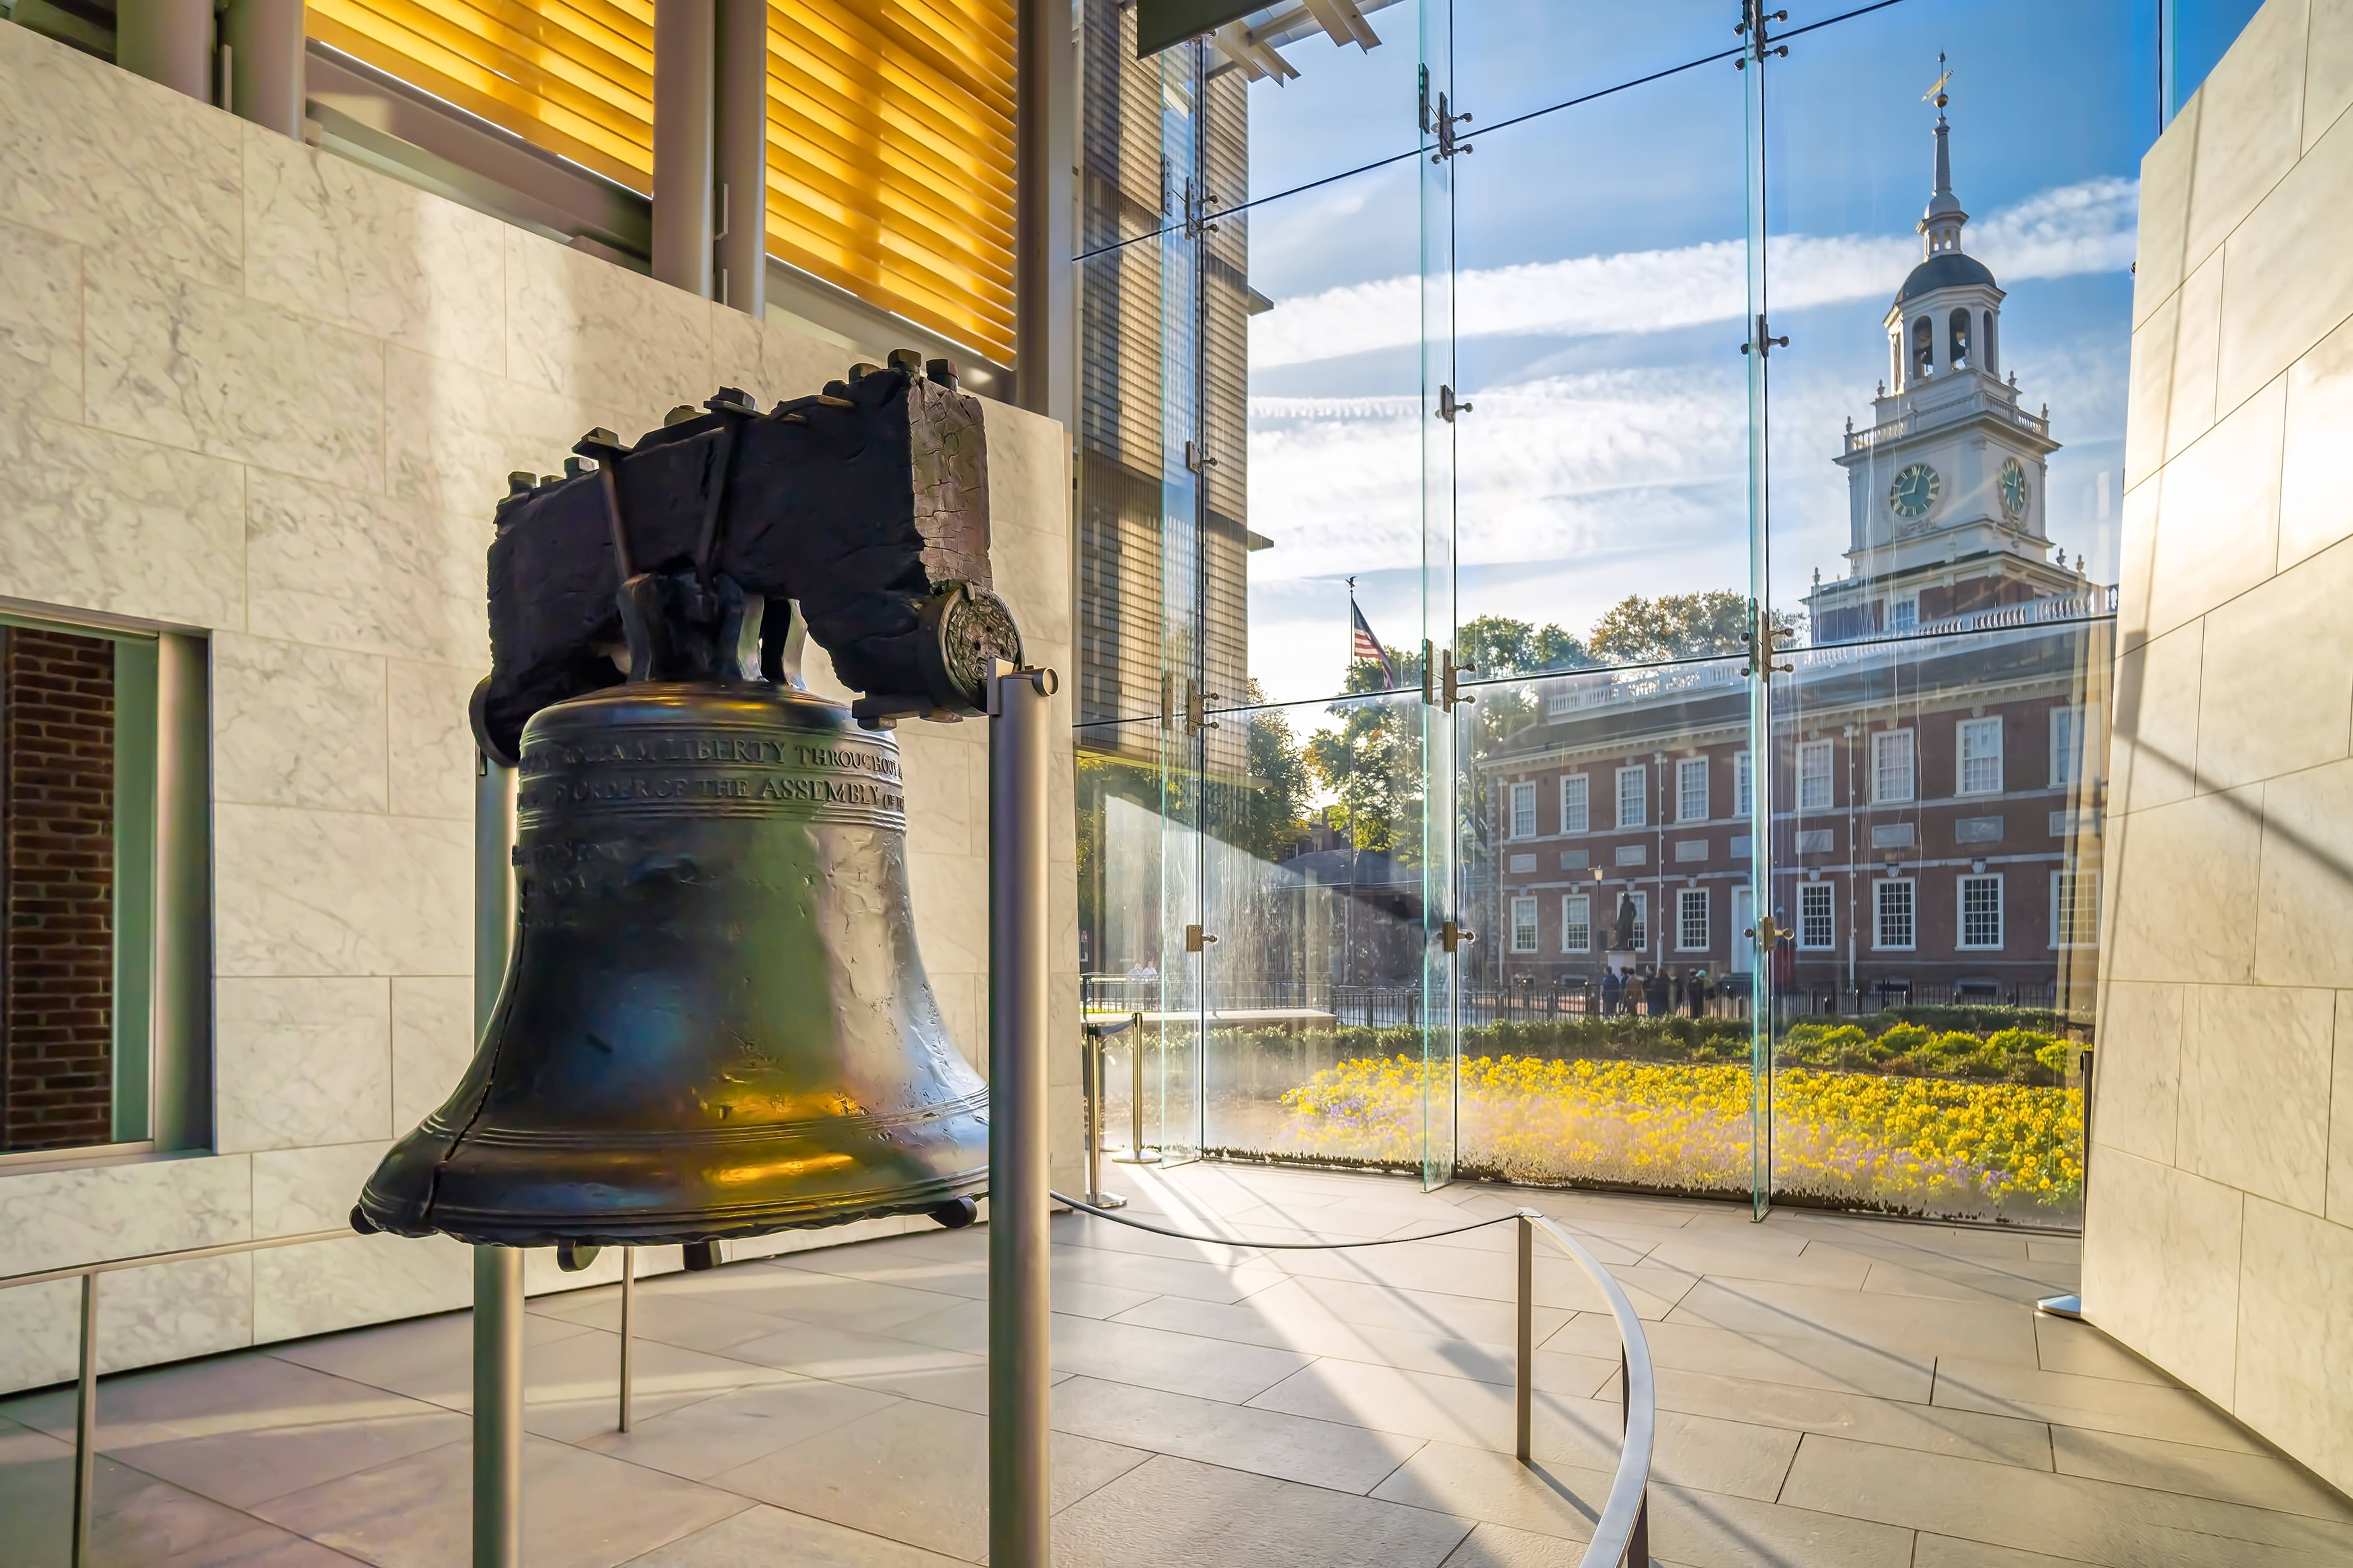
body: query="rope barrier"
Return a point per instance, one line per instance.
(1277, 1246)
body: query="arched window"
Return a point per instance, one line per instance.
(1991, 366)
(1957, 353)
(1924, 350)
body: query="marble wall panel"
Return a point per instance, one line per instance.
(2256, 1064)
(2189, 408)
(575, 321)
(772, 362)
(2137, 561)
(2150, 391)
(2195, 855)
(2153, 742)
(452, 433)
(432, 739)
(2285, 284)
(329, 238)
(2137, 1090)
(2305, 893)
(299, 1190)
(190, 365)
(167, 190)
(297, 725)
(2251, 128)
(2327, 68)
(40, 324)
(342, 1284)
(340, 893)
(2296, 1344)
(2216, 529)
(301, 1060)
(2161, 1267)
(105, 522)
(49, 1219)
(432, 1041)
(2316, 461)
(2340, 1116)
(346, 569)
(2260, 715)
(2165, 177)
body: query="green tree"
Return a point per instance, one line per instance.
(1267, 809)
(1673, 625)
(1371, 765)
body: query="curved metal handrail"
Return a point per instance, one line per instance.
(1621, 1533)
(1625, 1520)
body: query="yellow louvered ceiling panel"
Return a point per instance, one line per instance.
(891, 125)
(891, 156)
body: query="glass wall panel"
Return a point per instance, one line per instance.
(1607, 1036)
(1949, 255)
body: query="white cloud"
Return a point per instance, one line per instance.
(2083, 227)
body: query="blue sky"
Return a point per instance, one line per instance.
(1598, 254)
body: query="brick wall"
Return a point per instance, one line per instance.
(57, 840)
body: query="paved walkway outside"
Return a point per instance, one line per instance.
(1835, 1392)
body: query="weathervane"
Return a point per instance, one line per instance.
(1936, 94)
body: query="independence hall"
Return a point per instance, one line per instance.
(1936, 750)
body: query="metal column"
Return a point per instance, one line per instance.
(1020, 1483)
(742, 135)
(1045, 290)
(261, 42)
(498, 1271)
(684, 35)
(86, 1424)
(170, 41)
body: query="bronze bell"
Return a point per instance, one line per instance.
(715, 1022)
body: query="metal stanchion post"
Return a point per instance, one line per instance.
(1093, 1067)
(1136, 1154)
(1020, 1479)
(628, 1294)
(498, 1271)
(86, 1422)
(1523, 1384)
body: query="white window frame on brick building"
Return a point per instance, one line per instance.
(1576, 802)
(1634, 804)
(1524, 811)
(1692, 921)
(1690, 789)
(1896, 914)
(1523, 925)
(1577, 922)
(2069, 724)
(1978, 910)
(1744, 786)
(1895, 767)
(1817, 784)
(2075, 908)
(1817, 917)
(1976, 756)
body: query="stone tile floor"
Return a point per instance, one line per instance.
(1835, 1392)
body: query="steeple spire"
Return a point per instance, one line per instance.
(1940, 226)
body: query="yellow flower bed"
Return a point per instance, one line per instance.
(1926, 1145)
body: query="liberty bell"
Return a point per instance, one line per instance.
(715, 1022)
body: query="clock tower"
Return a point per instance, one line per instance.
(1946, 487)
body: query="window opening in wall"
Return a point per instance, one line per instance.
(1897, 926)
(1979, 750)
(1524, 811)
(1814, 775)
(1981, 911)
(77, 738)
(2074, 908)
(1744, 799)
(1575, 815)
(1690, 789)
(1577, 922)
(1691, 919)
(1924, 350)
(2069, 725)
(1817, 917)
(1904, 614)
(1523, 925)
(1634, 796)
(1642, 935)
(1890, 766)
(1958, 356)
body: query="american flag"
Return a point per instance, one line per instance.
(1363, 644)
